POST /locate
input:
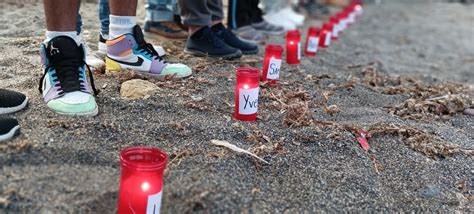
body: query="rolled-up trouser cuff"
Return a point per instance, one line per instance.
(159, 15)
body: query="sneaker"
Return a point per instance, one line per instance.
(279, 20)
(64, 84)
(93, 60)
(314, 9)
(206, 43)
(249, 34)
(292, 16)
(131, 51)
(169, 30)
(268, 29)
(246, 47)
(102, 52)
(9, 128)
(11, 101)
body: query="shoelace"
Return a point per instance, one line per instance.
(69, 80)
(149, 50)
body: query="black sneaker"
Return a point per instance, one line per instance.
(11, 101)
(9, 128)
(233, 40)
(206, 43)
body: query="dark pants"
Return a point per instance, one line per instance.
(243, 13)
(201, 12)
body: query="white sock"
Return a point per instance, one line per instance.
(120, 25)
(73, 34)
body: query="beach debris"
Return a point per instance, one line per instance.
(236, 149)
(298, 115)
(469, 111)
(425, 143)
(429, 192)
(443, 105)
(137, 89)
(362, 139)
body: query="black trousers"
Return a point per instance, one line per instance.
(201, 12)
(243, 13)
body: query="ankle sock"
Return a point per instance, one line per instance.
(120, 25)
(72, 34)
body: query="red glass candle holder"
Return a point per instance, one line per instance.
(246, 94)
(141, 180)
(293, 47)
(272, 63)
(325, 36)
(334, 21)
(312, 42)
(342, 16)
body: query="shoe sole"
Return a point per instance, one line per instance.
(15, 108)
(15, 131)
(271, 33)
(235, 55)
(118, 68)
(250, 52)
(82, 114)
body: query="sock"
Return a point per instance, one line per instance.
(120, 25)
(73, 34)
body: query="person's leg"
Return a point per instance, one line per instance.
(127, 48)
(104, 13)
(64, 86)
(239, 20)
(216, 7)
(78, 23)
(202, 41)
(160, 20)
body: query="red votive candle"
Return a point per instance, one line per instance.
(325, 36)
(335, 27)
(342, 16)
(293, 47)
(246, 94)
(141, 180)
(312, 42)
(272, 63)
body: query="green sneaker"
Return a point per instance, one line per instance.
(64, 84)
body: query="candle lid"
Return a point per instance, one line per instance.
(145, 159)
(293, 33)
(313, 30)
(248, 72)
(271, 47)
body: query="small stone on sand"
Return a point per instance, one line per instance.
(137, 89)
(469, 111)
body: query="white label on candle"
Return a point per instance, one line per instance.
(313, 44)
(154, 204)
(248, 101)
(335, 30)
(299, 50)
(273, 72)
(327, 42)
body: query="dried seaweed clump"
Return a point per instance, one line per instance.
(445, 105)
(298, 115)
(428, 144)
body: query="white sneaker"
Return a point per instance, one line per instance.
(94, 61)
(293, 16)
(279, 20)
(103, 47)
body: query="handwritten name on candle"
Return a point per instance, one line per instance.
(274, 69)
(154, 203)
(250, 101)
(313, 44)
(327, 42)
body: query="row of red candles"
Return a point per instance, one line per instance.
(142, 168)
(248, 79)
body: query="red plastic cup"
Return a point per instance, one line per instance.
(312, 42)
(272, 63)
(246, 93)
(141, 180)
(293, 47)
(325, 36)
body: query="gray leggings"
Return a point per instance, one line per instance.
(201, 12)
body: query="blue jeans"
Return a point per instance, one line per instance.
(156, 11)
(104, 11)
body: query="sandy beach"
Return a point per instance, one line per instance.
(384, 76)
